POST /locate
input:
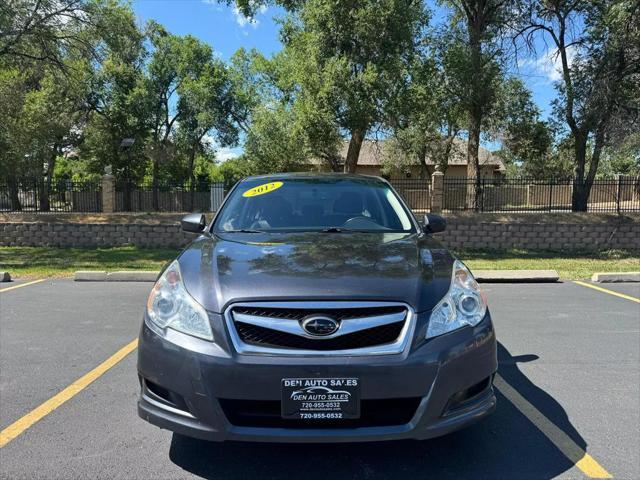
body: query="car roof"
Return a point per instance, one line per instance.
(313, 176)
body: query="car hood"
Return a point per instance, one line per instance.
(226, 268)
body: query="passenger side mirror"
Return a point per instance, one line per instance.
(193, 223)
(434, 223)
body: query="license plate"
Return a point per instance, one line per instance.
(320, 398)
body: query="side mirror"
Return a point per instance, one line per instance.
(193, 223)
(434, 223)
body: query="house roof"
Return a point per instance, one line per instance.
(372, 154)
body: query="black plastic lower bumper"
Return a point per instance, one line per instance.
(440, 386)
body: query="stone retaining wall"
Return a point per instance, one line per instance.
(566, 232)
(469, 233)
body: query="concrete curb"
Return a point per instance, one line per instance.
(89, 276)
(516, 276)
(5, 277)
(611, 277)
(123, 276)
(133, 276)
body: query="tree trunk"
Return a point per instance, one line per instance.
(351, 162)
(444, 161)
(424, 171)
(154, 181)
(334, 163)
(580, 200)
(45, 186)
(580, 194)
(477, 25)
(126, 194)
(473, 164)
(14, 197)
(192, 177)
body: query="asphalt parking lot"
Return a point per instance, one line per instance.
(570, 383)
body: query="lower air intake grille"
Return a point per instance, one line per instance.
(373, 413)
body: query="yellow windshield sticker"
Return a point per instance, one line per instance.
(262, 189)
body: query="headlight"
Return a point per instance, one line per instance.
(171, 306)
(464, 304)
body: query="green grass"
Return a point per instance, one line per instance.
(24, 262)
(570, 266)
(57, 262)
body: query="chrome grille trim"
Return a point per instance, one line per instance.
(400, 345)
(294, 327)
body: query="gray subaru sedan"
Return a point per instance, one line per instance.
(315, 308)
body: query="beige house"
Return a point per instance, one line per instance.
(373, 157)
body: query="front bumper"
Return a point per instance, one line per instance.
(197, 381)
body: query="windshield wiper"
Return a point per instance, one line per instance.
(341, 230)
(244, 230)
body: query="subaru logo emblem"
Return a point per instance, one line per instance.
(319, 325)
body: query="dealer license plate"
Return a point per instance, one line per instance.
(320, 398)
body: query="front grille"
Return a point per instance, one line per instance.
(255, 335)
(277, 328)
(373, 413)
(300, 313)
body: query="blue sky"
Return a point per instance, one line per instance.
(226, 30)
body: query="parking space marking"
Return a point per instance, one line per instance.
(581, 459)
(19, 426)
(610, 292)
(22, 285)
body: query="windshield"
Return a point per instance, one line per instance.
(313, 204)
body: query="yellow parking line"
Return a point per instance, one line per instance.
(576, 454)
(610, 292)
(19, 426)
(22, 285)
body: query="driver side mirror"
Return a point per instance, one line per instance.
(193, 223)
(434, 223)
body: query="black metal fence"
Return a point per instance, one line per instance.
(416, 193)
(43, 195)
(534, 195)
(49, 195)
(492, 195)
(168, 197)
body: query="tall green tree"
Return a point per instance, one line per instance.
(428, 115)
(476, 59)
(283, 129)
(526, 139)
(45, 30)
(174, 85)
(14, 87)
(55, 50)
(45, 135)
(476, 55)
(351, 59)
(117, 101)
(600, 69)
(207, 108)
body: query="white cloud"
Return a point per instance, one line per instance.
(238, 16)
(243, 21)
(549, 64)
(225, 153)
(222, 153)
(215, 3)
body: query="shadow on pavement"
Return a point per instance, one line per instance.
(504, 446)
